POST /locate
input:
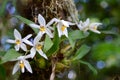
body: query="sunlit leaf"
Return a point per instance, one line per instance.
(76, 34)
(28, 22)
(81, 52)
(11, 54)
(90, 66)
(48, 43)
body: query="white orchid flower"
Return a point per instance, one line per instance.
(87, 25)
(37, 46)
(21, 64)
(61, 26)
(43, 27)
(84, 25)
(93, 27)
(19, 41)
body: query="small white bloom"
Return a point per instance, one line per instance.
(93, 27)
(61, 26)
(85, 26)
(22, 64)
(37, 46)
(43, 27)
(19, 41)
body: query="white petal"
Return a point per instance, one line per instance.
(27, 66)
(20, 58)
(87, 21)
(41, 33)
(59, 30)
(96, 31)
(17, 34)
(65, 23)
(28, 36)
(94, 24)
(41, 20)
(17, 47)
(23, 70)
(15, 69)
(79, 26)
(27, 42)
(42, 54)
(65, 32)
(52, 21)
(37, 38)
(41, 43)
(10, 41)
(34, 26)
(32, 52)
(51, 28)
(23, 46)
(27, 56)
(70, 23)
(49, 33)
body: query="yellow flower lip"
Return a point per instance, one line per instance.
(38, 47)
(18, 42)
(95, 27)
(42, 28)
(21, 64)
(63, 27)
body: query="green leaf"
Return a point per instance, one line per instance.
(2, 8)
(55, 45)
(81, 52)
(2, 53)
(11, 54)
(47, 44)
(2, 73)
(105, 50)
(74, 35)
(90, 66)
(28, 22)
(109, 32)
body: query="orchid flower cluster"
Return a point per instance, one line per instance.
(37, 44)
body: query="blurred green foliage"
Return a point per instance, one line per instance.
(105, 53)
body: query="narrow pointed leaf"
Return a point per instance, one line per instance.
(26, 21)
(74, 35)
(55, 45)
(81, 52)
(90, 66)
(47, 44)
